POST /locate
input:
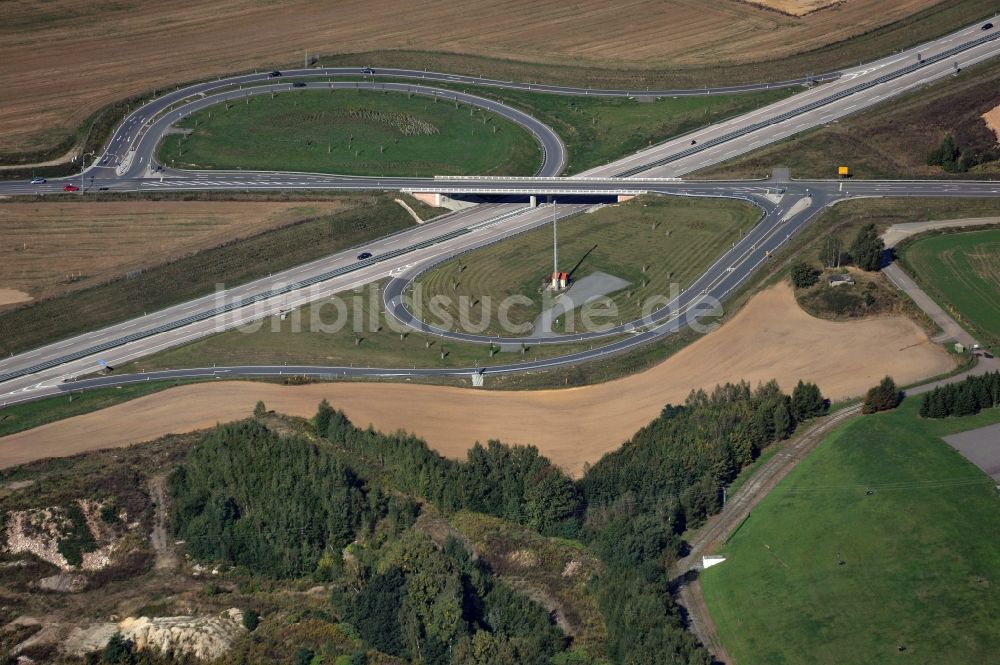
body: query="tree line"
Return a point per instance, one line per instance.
(963, 398)
(515, 483)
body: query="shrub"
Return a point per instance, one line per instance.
(77, 539)
(804, 275)
(883, 397)
(251, 619)
(118, 651)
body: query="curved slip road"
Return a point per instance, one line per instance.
(41, 371)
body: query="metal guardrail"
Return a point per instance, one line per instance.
(498, 178)
(522, 191)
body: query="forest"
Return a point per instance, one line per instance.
(340, 506)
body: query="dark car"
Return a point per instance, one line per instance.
(364, 255)
(275, 74)
(367, 70)
(102, 189)
(988, 26)
(298, 84)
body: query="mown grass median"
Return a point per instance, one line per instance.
(352, 132)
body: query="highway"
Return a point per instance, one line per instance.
(128, 163)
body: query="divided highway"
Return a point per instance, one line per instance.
(128, 165)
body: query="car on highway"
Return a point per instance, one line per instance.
(102, 189)
(987, 26)
(275, 74)
(364, 255)
(298, 84)
(71, 188)
(38, 181)
(367, 70)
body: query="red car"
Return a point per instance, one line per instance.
(71, 188)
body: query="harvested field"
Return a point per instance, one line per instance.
(795, 7)
(770, 338)
(992, 120)
(12, 297)
(48, 248)
(130, 48)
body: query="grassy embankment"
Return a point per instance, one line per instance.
(675, 239)
(359, 335)
(600, 130)
(892, 139)
(57, 245)
(850, 576)
(355, 132)
(961, 271)
(650, 242)
(841, 221)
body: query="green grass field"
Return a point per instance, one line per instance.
(962, 272)
(355, 132)
(319, 334)
(597, 130)
(921, 567)
(675, 239)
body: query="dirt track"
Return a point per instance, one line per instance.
(770, 338)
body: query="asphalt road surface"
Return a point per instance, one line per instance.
(128, 164)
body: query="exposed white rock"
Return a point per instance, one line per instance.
(204, 637)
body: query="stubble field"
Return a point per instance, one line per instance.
(64, 60)
(49, 248)
(571, 426)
